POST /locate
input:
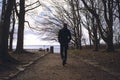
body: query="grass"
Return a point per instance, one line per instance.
(9, 69)
(110, 60)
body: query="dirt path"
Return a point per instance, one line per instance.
(50, 68)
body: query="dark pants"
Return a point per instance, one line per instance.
(63, 52)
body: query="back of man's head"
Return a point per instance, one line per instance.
(65, 25)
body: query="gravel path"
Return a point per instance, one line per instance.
(50, 68)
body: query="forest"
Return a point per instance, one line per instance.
(100, 18)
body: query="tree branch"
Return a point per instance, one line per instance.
(33, 7)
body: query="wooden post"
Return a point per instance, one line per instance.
(51, 49)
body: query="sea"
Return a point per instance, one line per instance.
(43, 47)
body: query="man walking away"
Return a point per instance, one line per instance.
(64, 37)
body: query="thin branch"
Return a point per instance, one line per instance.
(15, 7)
(31, 4)
(33, 7)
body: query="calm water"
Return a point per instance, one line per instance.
(56, 47)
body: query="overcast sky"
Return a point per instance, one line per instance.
(32, 37)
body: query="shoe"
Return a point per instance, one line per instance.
(64, 62)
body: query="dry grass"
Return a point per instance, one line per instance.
(24, 58)
(110, 60)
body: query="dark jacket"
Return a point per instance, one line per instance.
(64, 36)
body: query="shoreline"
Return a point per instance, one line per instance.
(46, 48)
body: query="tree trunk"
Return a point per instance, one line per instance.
(95, 38)
(20, 39)
(107, 35)
(118, 5)
(12, 33)
(5, 33)
(110, 46)
(89, 33)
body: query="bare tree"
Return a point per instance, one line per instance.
(66, 11)
(117, 23)
(90, 24)
(5, 25)
(21, 19)
(75, 5)
(11, 32)
(117, 2)
(106, 31)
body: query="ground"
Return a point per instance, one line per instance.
(81, 65)
(110, 60)
(10, 70)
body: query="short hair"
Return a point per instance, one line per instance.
(65, 24)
